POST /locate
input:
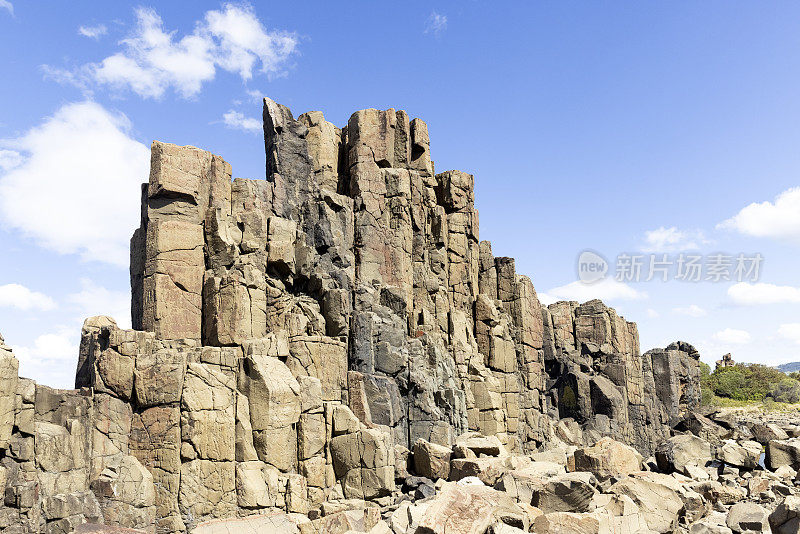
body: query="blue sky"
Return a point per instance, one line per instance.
(620, 127)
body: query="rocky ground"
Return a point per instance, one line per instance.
(712, 479)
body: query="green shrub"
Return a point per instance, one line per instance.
(787, 390)
(749, 382)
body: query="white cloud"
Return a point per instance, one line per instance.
(653, 314)
(9, 159)
(672, 239)
(790, 331)
(238, 121)
(436, 23)
(778, 220)
(153, 59)
(93, 32)
(22, 298)
(78, 188)
(693, 310)
(607, 290)
(732, 336)
(747, 294)
(95, 300)
(5, 4)
(52, 359)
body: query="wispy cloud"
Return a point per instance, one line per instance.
(103, 177)
(5, 4)
(747, 294)
(672, 239)
(153, 60)
(20, 297)
(777, 220)
(93, 32)
(238, 121)
(790, 331)
(94, 300)
(732, 336)
(607, 290)
(436, 23)
(48, 356)
(693, 310)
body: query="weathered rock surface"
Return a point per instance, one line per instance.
(313, 349)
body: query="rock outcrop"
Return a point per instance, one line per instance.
(314, 343)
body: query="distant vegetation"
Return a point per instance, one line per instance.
(748, 382)
(792, 367)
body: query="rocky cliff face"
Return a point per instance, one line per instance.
(295, 337)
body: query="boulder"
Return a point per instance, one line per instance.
(608, 458)
(481, 445)
(364, 463)
(766, 432)
(785, 519)
(712, 524)
(783, 452)
(744, 454)
(488, 469)
(660, 504)
(274, 523)
(747, 518)
(359, 520)
(571, 492)
(431, 460)
(470, 509)
(675, 453)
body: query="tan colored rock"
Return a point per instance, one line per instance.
(572, 523)
(608, 458)
(675, 453)
(487, 469)
(159, 377)
(364, 463)
(747, 517)
(472, 509)
(363, 520)
(482, 445)
(659, 503)
(744, 454)
(172, 299)
(783, 452)
(431, 460)
(9, 370)
(273, 522)
(126, 494)
(207, 489)
(273, 392)
(208, 413)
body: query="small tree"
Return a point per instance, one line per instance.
(787, 390)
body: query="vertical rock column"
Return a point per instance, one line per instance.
(378, 147)
(167, 257)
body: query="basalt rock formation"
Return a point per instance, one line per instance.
(294, 339)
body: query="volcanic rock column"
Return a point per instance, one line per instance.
(167, 256)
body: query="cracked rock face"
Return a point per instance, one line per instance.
(313, 337)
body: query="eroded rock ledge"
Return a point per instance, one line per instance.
(296, 338)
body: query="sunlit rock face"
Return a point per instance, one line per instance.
(294, 338)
